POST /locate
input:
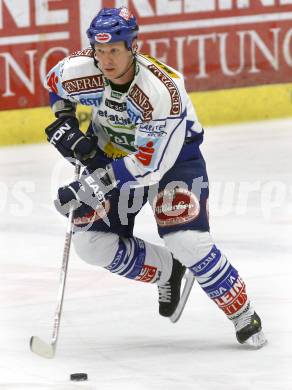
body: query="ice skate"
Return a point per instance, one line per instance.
(169, 293)
(249, 329)
(186, 290)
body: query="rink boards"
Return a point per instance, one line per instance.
(213, 107)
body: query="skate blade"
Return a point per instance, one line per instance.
(189, 281)
(257, 340)
(42, 348)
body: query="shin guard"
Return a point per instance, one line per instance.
(220, 280)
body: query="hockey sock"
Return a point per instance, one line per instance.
(141, 261)
(220, 280)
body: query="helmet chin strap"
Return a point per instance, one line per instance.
(127, 70)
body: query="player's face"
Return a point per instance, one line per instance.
(115, 60)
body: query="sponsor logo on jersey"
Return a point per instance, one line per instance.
(103, 37)
(145, 154)
(117, 106)
(116, 94)
(141, 100)
(121, 138)
(171, 87)
(52, 82)
(133, 113)
(116, 120)
(91, 101)
(174, 207)
(153, 129)
(89, 83)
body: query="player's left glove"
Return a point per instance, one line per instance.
(90, 192)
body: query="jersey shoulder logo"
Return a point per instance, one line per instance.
(52, 82)
(141, 100)
(84, 84)
(176, 105)
(82, 53)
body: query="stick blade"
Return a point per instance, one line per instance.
(189, 281)
(42, 348)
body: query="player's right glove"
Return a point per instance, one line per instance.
(84, 214)
(69, 197)
(68, 139)
(89, 193)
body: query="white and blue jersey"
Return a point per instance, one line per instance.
(143, 130)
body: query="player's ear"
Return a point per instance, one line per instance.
(94, 51)
(134, 46)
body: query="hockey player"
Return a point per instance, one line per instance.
(142, 144)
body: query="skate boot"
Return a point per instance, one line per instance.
(249, 329)
(169, 293)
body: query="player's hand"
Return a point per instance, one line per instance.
(90, 190)
(68, 139)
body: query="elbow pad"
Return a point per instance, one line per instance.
(63, 107)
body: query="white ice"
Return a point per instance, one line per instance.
(110, 327)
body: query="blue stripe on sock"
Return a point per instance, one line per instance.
(222, 285)
(139, 259)
(207, 263)
(119, 258)
(129, 263)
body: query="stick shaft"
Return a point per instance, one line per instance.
(64, 268)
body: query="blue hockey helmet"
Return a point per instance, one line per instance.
(113, 25)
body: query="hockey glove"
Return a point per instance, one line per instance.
(68, 139)
(88, 193)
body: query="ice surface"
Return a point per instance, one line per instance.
(110, 327)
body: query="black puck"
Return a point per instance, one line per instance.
(81, 376)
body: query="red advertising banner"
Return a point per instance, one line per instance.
(220, 44)
(34, 35)
(216, 44)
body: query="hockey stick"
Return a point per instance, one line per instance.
(37, 345)
(189, 281)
